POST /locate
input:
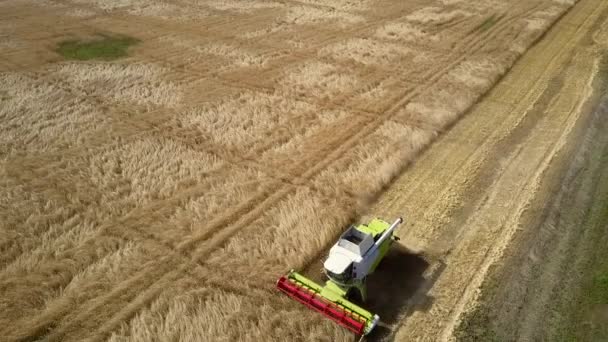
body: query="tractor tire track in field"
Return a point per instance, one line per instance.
(463, 217)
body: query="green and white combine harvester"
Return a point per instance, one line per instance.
(355, 256)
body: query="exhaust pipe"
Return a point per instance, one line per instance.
(388, 232)
(385, 235)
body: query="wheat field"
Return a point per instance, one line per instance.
(158, 197)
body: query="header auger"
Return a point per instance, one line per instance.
(356, 255)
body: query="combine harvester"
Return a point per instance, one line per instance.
(356, 255)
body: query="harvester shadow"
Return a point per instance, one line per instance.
(392, 287)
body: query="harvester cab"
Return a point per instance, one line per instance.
(355, 256)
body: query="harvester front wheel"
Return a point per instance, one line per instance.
(357, 294)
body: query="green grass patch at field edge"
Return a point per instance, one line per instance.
(106, 48)
(599, 292)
